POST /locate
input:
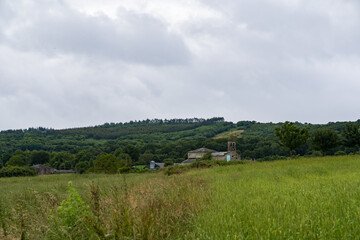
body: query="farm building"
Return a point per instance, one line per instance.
(46, 170)
(155, 165)
(231, 154)
(43, 170)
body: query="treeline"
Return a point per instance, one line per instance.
(118, 135)
(167, 141)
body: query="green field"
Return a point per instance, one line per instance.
(305, 198)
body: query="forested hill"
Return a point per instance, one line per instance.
(144, 141)
(112, 135)
(257, 129)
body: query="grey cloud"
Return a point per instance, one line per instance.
(132, 37)
(261, 60)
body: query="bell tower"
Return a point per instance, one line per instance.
(232, 149)
(231, 146)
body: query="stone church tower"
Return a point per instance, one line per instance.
(232, 149)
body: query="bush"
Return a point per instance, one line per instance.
(143, 170)
(340, 153)
(70, 220)
(168, 162)
(316, 154)
(201, 164)
(176, 169)
(272, 158)
(124, 170)
(14, 171)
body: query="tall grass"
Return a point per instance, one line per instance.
(306, 198)
(317, 198)
(132, 207)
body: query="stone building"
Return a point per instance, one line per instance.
(43, 170)
(230, 155)
(46, 170)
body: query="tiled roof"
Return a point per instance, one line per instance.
(202, 150)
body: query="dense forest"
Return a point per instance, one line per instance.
(168, 141)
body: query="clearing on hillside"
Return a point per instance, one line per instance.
(236, 133)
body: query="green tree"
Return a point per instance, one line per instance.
(146, 158)
(291, 136)
(351, 135)
(62, 160)
(133, 151)
(324, 140)
(39, 157)
(16, 160)
(107, 163)
(81, 167)
(168, 162)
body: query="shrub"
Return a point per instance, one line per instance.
(143, 170)
(70, 220)
(340, 153)
(16, 160)
(272, 158)
(124, 170)
(176, 169)
(15, 171)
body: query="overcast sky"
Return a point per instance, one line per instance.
(66, 63)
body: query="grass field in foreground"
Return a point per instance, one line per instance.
(314, 198)
(305, 198)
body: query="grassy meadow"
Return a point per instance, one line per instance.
(305, 198)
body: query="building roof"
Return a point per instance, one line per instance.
(160, 164)
(202, 150)
(41, 166)
(188, 161)
(219, 153)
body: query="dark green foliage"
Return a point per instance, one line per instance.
(324, 140)
(340, 153)
(139, 142)
(146, 158)
(207, 156)
(133, 152)
(351, 135)
(81, 167)
(15, 171)
(62, 160)
(124, 170)
(168, 162)
(16, 160)
(291, 136)
(108, 163)
(39, 157)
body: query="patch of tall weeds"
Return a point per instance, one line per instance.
(70, 221)
(4, 216)
(158, 208)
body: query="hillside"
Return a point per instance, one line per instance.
(148, 140)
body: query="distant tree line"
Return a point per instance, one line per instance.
(168, 141)
(293, 137)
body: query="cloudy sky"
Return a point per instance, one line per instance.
(69, 63)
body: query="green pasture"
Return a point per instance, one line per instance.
(304, 198)
(313, 198)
